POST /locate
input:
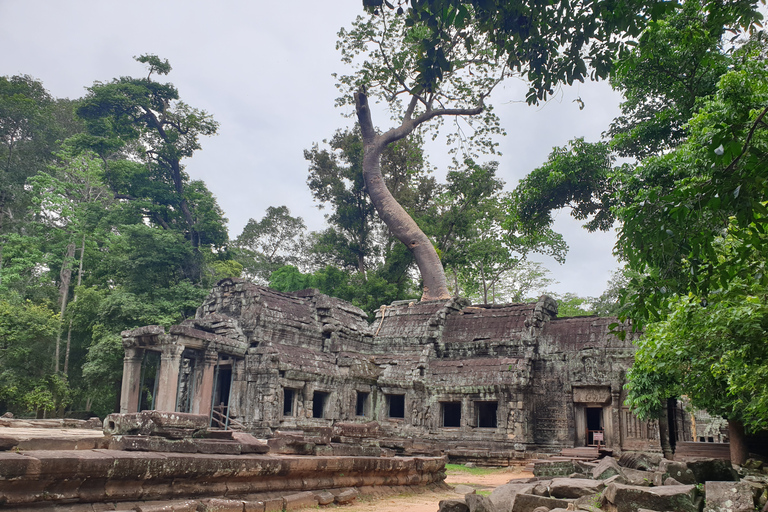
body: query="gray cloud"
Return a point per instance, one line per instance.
(263, 69)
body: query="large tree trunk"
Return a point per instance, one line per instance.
(66, 276)
(74, 299)
(666, 445)
(402, 226)
(738, 442)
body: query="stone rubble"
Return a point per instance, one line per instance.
(613, 485)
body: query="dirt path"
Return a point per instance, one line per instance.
(428, 501)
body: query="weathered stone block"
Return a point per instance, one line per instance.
(169, 424)
(554, 468)
(464, 489)
(713, 469)
(628, 498)
(249, 443)
(273, 505)
(300, 500)
(479, 503)
(574, 487)
(453, 506)
(346, 496)
(606, 468)
(729, 497)
(637, 477)
(503, 496)
(172, 506)
(324, 497)
(253, 506)
(677, 470)
(528, 502)
(221, 505)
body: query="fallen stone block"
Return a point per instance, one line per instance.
(300, 500)
(639, 460)
(729, 497)
(504, 495)
(464, 489)
(554, 468)
(574, 487)
(290, 446)
(671, 481)
(637, 477)
(677, 470)
(606, 468)
(453, 506)
(528, 502)
(249, 443)
(628, 498)
(541, 488)
(719, 470)
(346, 496)
(166, 424)
(479, 503)
(324, 497)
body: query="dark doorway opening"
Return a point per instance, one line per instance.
(288, 400)
(451, 414)
(150, 369)
(396, 406)
(223, 385)
(595, 432)
(361, 408)
(486, 414)
(319, 400)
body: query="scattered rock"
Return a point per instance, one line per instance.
(729, 497)
(504, 495)
(346, 496)
(464, 489)
(677, 470)
(479, 503)
(706, 470)
(528, 502)
(324, 497)
(453, 506)
(606, 468)
(628, 498)
(574, 487)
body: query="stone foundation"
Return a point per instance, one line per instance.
(67, 477)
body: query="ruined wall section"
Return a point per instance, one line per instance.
(580, 370)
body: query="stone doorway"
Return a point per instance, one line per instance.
(595, 428)
(221, 395)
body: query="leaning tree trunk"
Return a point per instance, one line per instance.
(66, 276)
(402, 226)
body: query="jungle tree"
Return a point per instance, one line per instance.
(441, 59)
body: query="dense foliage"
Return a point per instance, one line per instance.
(101, 230)
(689, 209)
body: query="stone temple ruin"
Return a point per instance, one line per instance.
(493, 382)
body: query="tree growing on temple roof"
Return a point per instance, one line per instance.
(440, 59)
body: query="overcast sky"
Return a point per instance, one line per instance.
(263, 69)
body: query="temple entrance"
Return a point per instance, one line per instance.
(150, 369)
(221, 393)
(595, 429)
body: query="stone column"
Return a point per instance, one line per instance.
(616, 418)
(201, 402)
(168, 380)
(131, 387)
